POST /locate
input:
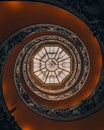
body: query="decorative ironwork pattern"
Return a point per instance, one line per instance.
(35, 43)
(59, 41)
(83, 9)
(74, 77)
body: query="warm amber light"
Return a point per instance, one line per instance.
(26, 128)
(13, 4)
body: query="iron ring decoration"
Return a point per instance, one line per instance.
(60, 41)
(71, 92)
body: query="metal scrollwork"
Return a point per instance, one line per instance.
(85, 10)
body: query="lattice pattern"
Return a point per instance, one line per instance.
(51, 64)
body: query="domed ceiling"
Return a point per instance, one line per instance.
(51, 65)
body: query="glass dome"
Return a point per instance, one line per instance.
(51, 64)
